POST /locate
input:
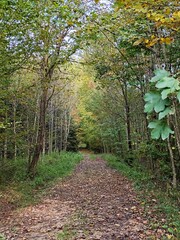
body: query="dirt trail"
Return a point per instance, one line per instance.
(96, 202)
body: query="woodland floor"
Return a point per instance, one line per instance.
(95, 202)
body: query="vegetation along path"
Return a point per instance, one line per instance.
(95, 202)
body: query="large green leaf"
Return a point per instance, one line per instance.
(167, 111)
(160, 129)
(165, 93)
(148, 108)
(168, 82)
(159, 74)
(166, 131)
(156, 133)
(159, 106)
(154, 102)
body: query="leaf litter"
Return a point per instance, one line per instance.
(95, 202)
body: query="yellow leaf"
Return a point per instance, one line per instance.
(96, 1)
(157, 18)
(146, 41)
(70, 23)
(162, 40)
(158, 24)
(152, 43)
(139, 41)
(169, 236)
(168, 40)
(167, 11)
(176, 15)
(144, 10)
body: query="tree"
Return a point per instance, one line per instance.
(57, 39)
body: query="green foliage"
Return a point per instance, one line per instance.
(159, 74)
(13, 170)
(154, 102)
(161, 101)
(2, 237)
(160, 129)
(72, 141)
(66, 234)
(50, 168)
(132, 173)
(54, 166)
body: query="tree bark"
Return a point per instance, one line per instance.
(41, 133)
(174, 182)
(14, 130)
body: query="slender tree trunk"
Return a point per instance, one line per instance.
(33, 135)
(28, 137)
(52, 127)
(176, 127)
(174, 182)
(128, 127)
(55, 130)
(65, 131)
(127, 116)
(14, 130)
(61, 134)
(6, 140)
(41, 133)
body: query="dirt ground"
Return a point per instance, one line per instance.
(95, 202)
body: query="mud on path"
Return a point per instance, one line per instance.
(95, 202)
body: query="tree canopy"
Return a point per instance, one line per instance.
(101, 74)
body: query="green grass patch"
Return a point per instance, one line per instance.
(93, 156)
(17, 189)
(66, 234)
(2, 237)
(165, 202)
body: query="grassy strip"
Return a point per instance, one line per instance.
(19, 191)
(163, 203)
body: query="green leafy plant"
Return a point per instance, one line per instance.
(161, 101)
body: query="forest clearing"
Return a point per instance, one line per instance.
(89, 119)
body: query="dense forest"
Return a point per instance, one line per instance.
(94, 75)
(101, 75)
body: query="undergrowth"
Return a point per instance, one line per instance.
(18, 190)
(164, 203)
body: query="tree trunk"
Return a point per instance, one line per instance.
(176, 127)
(127, 115)
(6, 139)
(61, 134)
(14, 130)
(174, 182)
(41, 133)
(128, 124)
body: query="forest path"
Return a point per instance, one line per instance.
(95, 202)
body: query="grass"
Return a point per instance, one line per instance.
(20, 191)
(164, 204)
(2, 237)
(66, 234)
(69, 232)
